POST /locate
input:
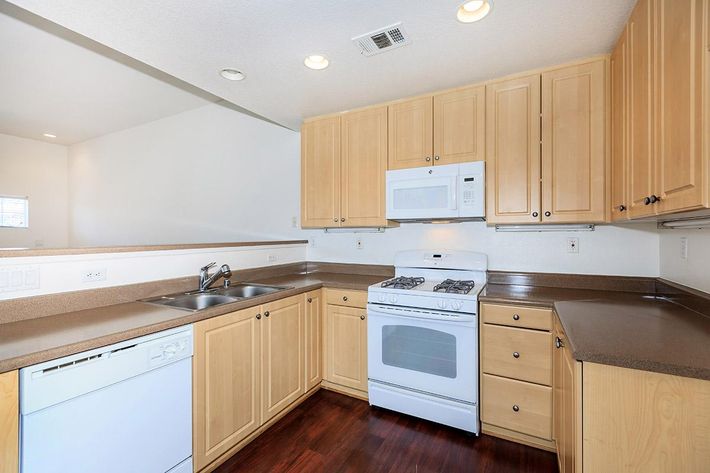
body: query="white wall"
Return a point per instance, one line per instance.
(38, 170)
(206, 175)
(693, 271)
(630, 250)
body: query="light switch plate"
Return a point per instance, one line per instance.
(684, 247)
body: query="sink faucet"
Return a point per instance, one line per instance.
(206, 280)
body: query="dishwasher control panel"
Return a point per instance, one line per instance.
(165, 352)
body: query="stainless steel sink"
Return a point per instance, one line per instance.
(213, 297)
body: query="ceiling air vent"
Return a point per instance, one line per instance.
(381, 40)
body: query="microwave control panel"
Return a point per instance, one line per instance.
(471, 189)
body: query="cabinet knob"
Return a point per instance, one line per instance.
(310, 300)
(335, 219)
(516, 317)
(258, 316)
(427, 159)
(266, 314)
(342, 219)
(548, 213)
(622, 208)
(535, 214)
(647, 201)
(345, 298)
(362, 317)
(516, 354)
(654, 199)
(516, 408)
(436, 158)
(558, 342)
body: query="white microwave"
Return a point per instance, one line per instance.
(452, 191)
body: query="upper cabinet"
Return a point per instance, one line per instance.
(667, 44)
(343, 165)
(446, 128)
(619, 132)
(573, 143)
(513, 151)
(546, 147)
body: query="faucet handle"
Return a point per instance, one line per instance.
(205, 268)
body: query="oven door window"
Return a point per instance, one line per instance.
(419, 349)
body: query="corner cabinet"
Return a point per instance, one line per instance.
(314, 339)
(343, 165)
(9, 422)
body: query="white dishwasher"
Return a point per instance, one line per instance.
(117, 409)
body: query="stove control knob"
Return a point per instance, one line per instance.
(381, 298)
(456, 305)
(441, 304)
(393, 299)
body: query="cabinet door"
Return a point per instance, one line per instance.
(567, 405)
(226, 392)
(314, 339)
(619, 129)
(364, 164)
(573, 144)
(410, 134)
(557, 398)
(346, 346)
(641, 159)
(9, 421)
(459, 126)
(680, 164)
(282, 354)
(513, 151)
(320, 173)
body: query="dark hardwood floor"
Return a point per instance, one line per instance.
(334, 433)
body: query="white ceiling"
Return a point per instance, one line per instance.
(268, 40)
(49, 84)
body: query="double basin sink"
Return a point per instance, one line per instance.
(213, 297)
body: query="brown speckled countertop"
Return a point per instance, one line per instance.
(27, 342)
(645, 331)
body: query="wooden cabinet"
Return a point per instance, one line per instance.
(513, 151)
(314, 339)
(619, 129)
(346, 346)
(516, 374)
(446, 128)
(226, 383)
(343, 165)
(320, 173)
(574, 147)
(282, 354)
(363, 165)
(9, 422)
(567, 399)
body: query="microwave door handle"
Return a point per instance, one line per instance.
(454, 190)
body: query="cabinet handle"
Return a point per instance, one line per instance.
(436, 158)
(342, 219)
(266, 314)
(362, 317)
(427, 159)
(516, 317)
(258, 316)
(310, 300)
(558, 342)
(622, 208)
(535, 214)
(345, 298)
(516, 354)
(548, 213)
(516, 408)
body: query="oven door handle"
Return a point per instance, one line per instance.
(373, 310)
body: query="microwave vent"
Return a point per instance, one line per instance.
(381, 40)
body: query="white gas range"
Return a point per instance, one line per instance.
(423, 337)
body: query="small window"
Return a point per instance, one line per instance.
(14, 212)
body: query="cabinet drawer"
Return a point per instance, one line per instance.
(517, 405)
(517, 353)
(515, 316)
(347, 298)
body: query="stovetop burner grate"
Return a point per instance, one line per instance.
(403, 282)
(455, 287)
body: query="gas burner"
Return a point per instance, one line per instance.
(403, 282)
(455, 287)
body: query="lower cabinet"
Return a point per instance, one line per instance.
(314, 339)
(346, 341)
(567, 401)
(9, 421)
(248, 366)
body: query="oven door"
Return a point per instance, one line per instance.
(422, 193)
(435, 354)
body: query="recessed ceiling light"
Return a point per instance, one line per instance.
(474, 10)
(232, 74)
(49, 135)
(316, 61)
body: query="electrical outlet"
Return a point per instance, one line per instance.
(573, 245)
(271, 258)
(684, 247)
(93, 275)
(294, 222)
(358, 243)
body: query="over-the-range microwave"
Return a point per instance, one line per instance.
(449, 192)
